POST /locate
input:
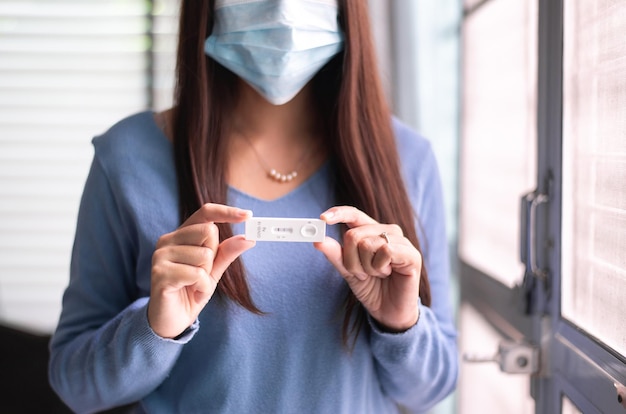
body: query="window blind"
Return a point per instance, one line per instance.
(164, 35)
(68, 70)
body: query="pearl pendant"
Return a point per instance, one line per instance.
(281, 178)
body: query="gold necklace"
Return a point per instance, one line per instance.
(272, 173)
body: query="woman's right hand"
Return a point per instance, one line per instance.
(187, 266)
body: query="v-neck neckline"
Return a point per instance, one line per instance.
(293, 193)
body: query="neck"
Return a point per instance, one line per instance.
(265, 137)
(258, 119)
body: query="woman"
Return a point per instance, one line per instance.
(193, 317)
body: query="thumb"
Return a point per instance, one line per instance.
(334, 253)
(229, 250)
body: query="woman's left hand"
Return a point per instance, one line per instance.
(381, 266)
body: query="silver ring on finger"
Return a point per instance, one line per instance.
(385, 236)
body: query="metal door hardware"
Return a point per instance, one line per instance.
(528, 242)
(621, 394)
(513, 358)
(535, 285)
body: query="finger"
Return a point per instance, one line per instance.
(188, 255)
(351, 216)
(202, 234)
(204, 288)
(170, 276)
(217, 213)
(229, 250)
(360, 245)
(334, 254)
(400, 256)
(375, 230)
(369, 248)
(353, 245)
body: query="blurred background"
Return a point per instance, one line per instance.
(524, 102)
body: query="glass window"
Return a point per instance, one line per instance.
(483, 388)
(594, 170)
(568, 406)
(498, 162)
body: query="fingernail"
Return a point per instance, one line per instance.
(328, 215)
(245, 213)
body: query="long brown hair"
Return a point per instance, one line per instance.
(360, 137)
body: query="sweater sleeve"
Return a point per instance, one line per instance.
(104, 353)
(419, 367)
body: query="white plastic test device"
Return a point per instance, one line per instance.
(285, 229)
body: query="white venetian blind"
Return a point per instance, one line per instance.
(68, 70)
(164, 32)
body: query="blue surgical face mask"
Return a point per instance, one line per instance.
(276, 46)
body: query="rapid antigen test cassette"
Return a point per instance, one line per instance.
(285, 229)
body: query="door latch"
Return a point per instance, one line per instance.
(621, 394)
(513, 358)
(535, 286)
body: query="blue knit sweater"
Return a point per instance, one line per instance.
(290, 360)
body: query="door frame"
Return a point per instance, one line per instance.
(580, 368)
(572, 363)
